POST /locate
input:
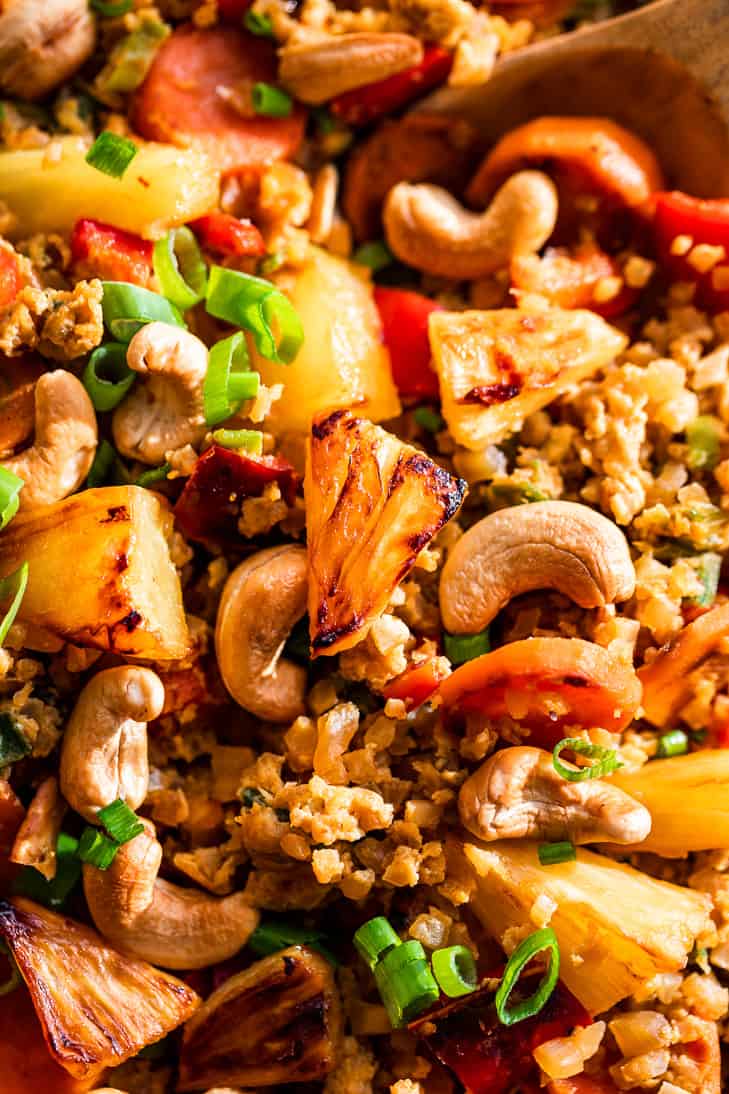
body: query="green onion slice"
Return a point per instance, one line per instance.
(14, 585)
(428, 419)
(112, 11)
(251, 440)
(405, 982)
(100, 469)
(13, 744)
(673, 743)
(111, 154)
(709, 572)
(550, 854)
(271, 936)
(107, 377)
(606, 760)
(54, 893)
(542, 940)
(228, 380)
(131, 59)
(376, 256)
(255, 305)
(374, 939)
(128, 307)
(460, 648)
(179, 266)
(154, 475)
(703, 441)
(258, 24)
(271, 101)
(96, 848)
(10, 487)
(121, 822)
(455, 971)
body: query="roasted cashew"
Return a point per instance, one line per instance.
(262, 600)
(429, 229)
(319, 70)
(42, 43)
(166, 411)
(518, 794)
(104, 748)
(544, 545)
(65, 441)
(146, 917)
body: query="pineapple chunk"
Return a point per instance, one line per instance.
(616, 927)
(100, 572)
(343, 362)
(96, 1007)
(688, 799)
(372, 504)
(497, 367)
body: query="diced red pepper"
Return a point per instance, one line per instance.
(110, 253)
(366, 104)
(229, 236)
(11, 279)
(404, 316)
(417, 683)
(232, 11)
(209, 506)
(678, 214)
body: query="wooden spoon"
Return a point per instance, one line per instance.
(662, 71)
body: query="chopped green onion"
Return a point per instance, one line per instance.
(253, 304)
(228, 380)
(502, 494)
(374, 939)
(709, 572)
(544, 939)
(258, 23)
(121, 822)
(96, 848)
(53, 893)
(14, 585)
(107, 377)
(455, 971)
(154, 475)
(180, 269)
(375, 255)
(13, 744)
(13, 980)
(112, 11)
(111, 154)
(405, 982)
(249, 439)
(127, 308)
(673, 743)
(702, 438)
(460, 648)
(606, 760)
(550, 854)
(274, 935)
(271, 101)
(100, 469)
(131, 59)
(271, 263)
(10, 487)
(428, 419)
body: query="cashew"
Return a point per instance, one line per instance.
(427, 228)
(36, 839)
(146, 917)
(65, 441)
(166, 411)
(518, 794)
(104, 748)
(319, 70)
(42, 43)
(544, 545)
(262, 600)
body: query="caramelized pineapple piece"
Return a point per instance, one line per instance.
(372, 504)
(278, 1021)
(100, 572)
(497, 367)
(96, 1007)
(616, 927)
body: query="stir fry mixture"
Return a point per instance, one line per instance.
(364, 499)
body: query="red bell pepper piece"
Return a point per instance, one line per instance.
(110, 253)
(404, 316)
(227, 235)
(678, 214)
(417, 683)
(209, 506)
(373, 101)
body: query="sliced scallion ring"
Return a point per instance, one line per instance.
(180, 269)
(228, 380)
(154, 475)
(10, 487)
(455, 971)
(96, 848)
(606, 760)
(111, 154)
(251, 440)
(673, 743)
(374, 939)
(543, 940)
(551, 854)
(121, 822)
(405, 982)
(100, 469)
(256, 305)
(107, 377)
(128, 307)
(271, 102)
(14, 585)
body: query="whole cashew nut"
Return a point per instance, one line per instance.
(146, 917)
(543, 545)
(104, 748)
(166, 411)
(319, 70)
(426, 226)
(262, 600)
(65, 441)
(42, 43)
(518, 794)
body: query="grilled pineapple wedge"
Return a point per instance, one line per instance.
(279, 1021)
(372, 504)
(96, 1007)
(100, 572)
(616, 927)
(497, 367)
